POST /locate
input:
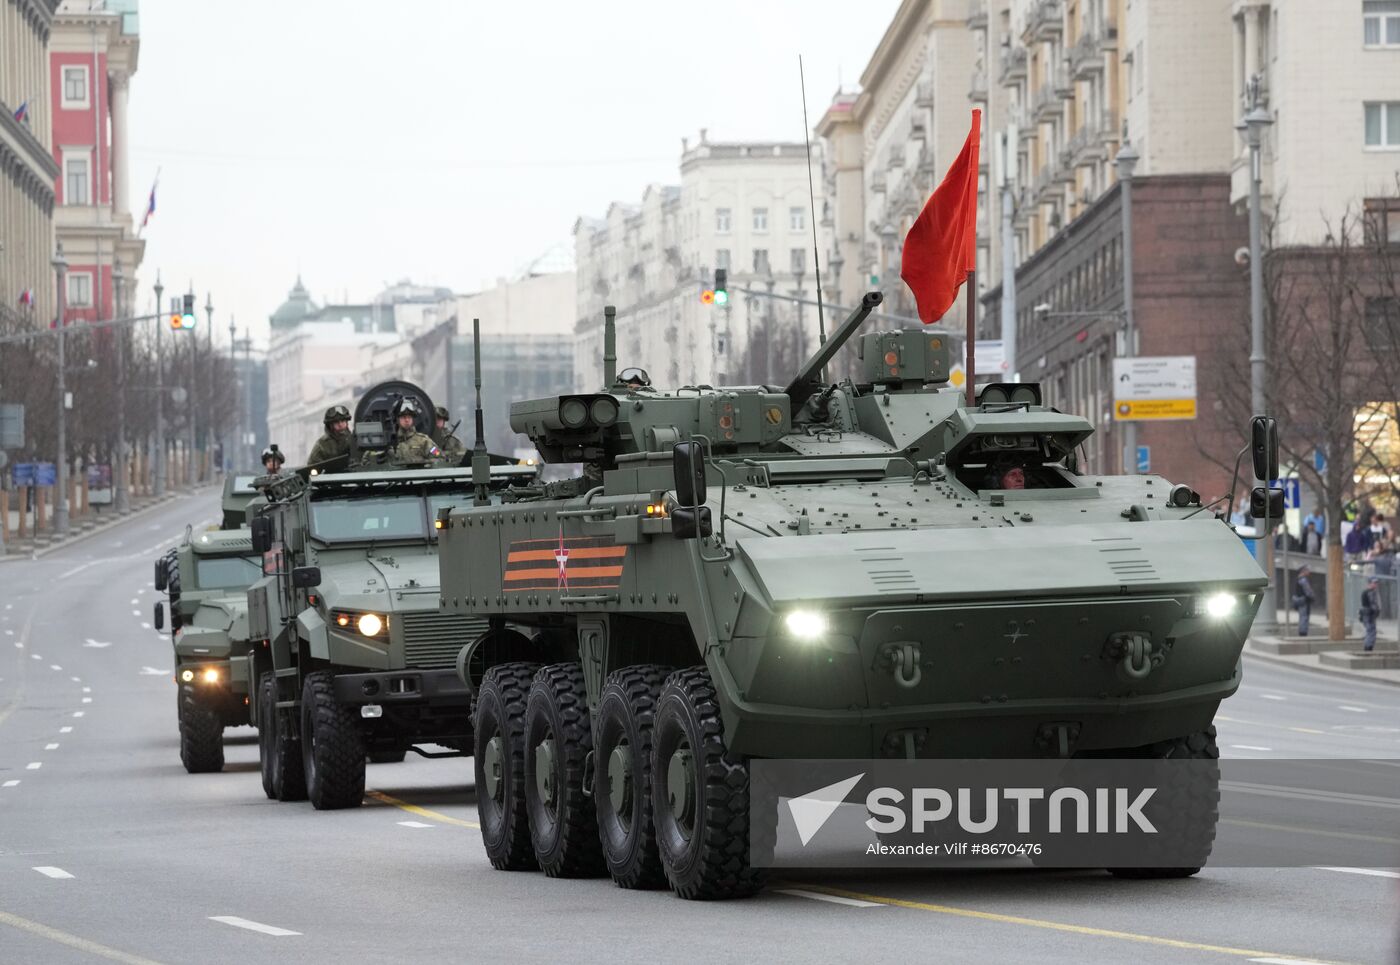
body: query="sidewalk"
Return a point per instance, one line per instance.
(79, 529)
(1342, 658)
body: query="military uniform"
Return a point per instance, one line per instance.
(329, 446)
(416, 448)
(452, 448)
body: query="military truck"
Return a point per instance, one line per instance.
(881, 568)
(352, 658)
(206, 580)
(239, 492)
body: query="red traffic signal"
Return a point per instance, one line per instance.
(707, 297)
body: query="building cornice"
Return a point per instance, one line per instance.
(886, 55)
(25, 146)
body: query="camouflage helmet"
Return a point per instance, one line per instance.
(337, 413)
(408, 407)
(272, 452)
(441, 412)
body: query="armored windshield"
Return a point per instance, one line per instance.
(229, 572)
(374, 518)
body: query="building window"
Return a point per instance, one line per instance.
(79, 289)
(75, 180)
(1383, 221)
(1383, 124)
(722, 219)
(760, 261)
(798, 258)
(797, 219)
(722, 258)
(760, 219)
(1381, 20)
(75, 88)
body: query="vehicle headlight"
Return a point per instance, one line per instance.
(1217, 606)
(806, 624)
(186, 675)
(369, 624)
(211, 675)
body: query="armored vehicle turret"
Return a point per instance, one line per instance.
(875, 568)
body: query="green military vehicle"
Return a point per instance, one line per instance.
(239, 494)
(352, 658)
(206, 580)
(867, 569)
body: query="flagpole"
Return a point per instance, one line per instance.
(970, 290)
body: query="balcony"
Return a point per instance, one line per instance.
(1108, 126)
(977, 90)
(895, 157)
(1045, 21)
(1013, 66)
(1086, 56)
(1046, 102)
(1026, 126)
(977, 15)
(1043, 183)
(877, 182)
(923, 94)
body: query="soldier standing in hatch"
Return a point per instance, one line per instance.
(412, 446)
(336, 440)
(272, 459)
(452, 448)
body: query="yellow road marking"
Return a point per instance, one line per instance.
(383, 798)
(72, 941)
(1049, 925)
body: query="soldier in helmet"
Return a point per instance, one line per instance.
(273, 459)
(411, 446)
(446, 440)
(336, 440)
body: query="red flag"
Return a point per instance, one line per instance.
(941, 247)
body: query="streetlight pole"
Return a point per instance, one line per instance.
(1255, 121)
(160, 392)
(231, 451)
(60, 512)
(209, 384)
(191, 411)
(1126, 161)
(120, 496)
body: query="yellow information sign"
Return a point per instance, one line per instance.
(1130, 410)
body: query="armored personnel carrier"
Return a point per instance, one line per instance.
(879, 568)
(206, 582)
(351, 657)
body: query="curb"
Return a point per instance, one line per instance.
(1281, 661)
(76, 538)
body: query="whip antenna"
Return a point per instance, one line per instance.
(812, 198)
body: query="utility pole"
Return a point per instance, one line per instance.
(60, 512)
(191, 411)
(1126, 161)
(1255, 121)
(231, 455)
(160, 391)
(209, 384)
(120, 496)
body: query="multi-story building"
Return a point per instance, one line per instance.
(93, 54)
(27, 168)
(743, 207)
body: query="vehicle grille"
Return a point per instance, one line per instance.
(433, 640)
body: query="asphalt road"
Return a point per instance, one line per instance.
(108, 849)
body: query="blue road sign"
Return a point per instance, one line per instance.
(1292, 491)
(45, 474)
(1144, 458)
(23, 473)
(1319, 460)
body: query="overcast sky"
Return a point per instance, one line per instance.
(446, 141)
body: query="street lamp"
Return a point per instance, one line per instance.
(209, 383)
(1126, 163)
(160, 392)
(120, 497)
(60, 512)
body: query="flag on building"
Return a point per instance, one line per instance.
(151, 204)
(941, 247)
(22, 113)
(26, 297)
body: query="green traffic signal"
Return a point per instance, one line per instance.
(721, 296)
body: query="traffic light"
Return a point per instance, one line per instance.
(721, 296)
(188, 319)
(707, 296)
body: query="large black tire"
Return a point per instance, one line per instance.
(279, 754)
(332, 750)
(558, 740)
(499, 762)
(1188, 834)
(700, 794)
(172, 588)
(622, 787)
(387, 757)
(201, 735)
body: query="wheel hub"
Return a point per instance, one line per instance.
(680, 787)
(491, 768)
(620, 780)
(544, 771)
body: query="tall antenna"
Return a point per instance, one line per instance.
(481, 462)
(812, 198)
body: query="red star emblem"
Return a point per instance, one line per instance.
(561, 557)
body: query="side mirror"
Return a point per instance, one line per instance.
(260, 530)
(688, 467)
(1266, 504)
(161, 576)
(306, 577)
(1264, 445)
(691, 523)
(159, 618)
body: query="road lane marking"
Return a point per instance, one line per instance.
(136, 613)
(1288, 961)
(33, 765)
(1250, 747)
(1351, 709)
(154, 672)
(65, 730)
(72, 941)
(87, 700)
(1050, 925)
(412, 824)
(1272, 697)
(134, 601)
(50, 747)
(256, 926)
(96, 644)
(145, 626)
(9, 783)
(87, 690)
(54, 666)
(51, 872)
(1308, 730)
(76, 680)
(383, 798)
(1317, 832)
(834, 899)
(77, 713)
(1373, 872)
(35, 656)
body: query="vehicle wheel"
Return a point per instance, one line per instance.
(558, 739)
(387, 757)
(172, 589)
(279, 754)
(700, 794)
(201, 735)
(499, 761)
(622, 786)
(332, 750)
(1187, 833)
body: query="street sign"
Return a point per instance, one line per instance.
(957, 376)
(1144, 459)
(23, 474)
(11, 425)
(45, 474)
(1292, 491)
(1154, 388)
(990, 356)
(1319, 460)
(99, 480)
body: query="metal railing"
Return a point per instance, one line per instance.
(1046, 18)
(1086, 55)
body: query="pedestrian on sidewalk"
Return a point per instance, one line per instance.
(1312, 540)
(1370, 610)
(1303, 598)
